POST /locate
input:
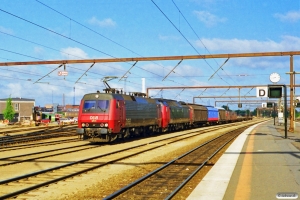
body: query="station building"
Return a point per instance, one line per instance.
(22, 106)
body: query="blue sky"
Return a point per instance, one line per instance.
(53, 30)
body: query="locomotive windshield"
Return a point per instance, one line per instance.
(93, 106)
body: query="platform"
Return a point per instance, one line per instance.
(260, 164)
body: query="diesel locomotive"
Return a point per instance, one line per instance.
(104, 117)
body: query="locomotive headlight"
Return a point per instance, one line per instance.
(87, 125)
(106, 125)
(83, 124)
(101, 125)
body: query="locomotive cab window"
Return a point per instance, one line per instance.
(91, 106)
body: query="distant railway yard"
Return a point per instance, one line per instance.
(60, 165)
(16, 135)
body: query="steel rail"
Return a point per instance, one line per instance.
(99, 156)
(16, 139)
(23, 146)
(129, 186)
(41, 152)
(198, 169)
(34, 135)
(16, 193)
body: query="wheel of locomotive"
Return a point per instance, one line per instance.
(85, 137)
(112, 138)
(160, 130)
(144, 132)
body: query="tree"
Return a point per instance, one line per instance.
(225, 107)
(9, 111)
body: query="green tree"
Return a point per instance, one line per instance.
(225, 107)
(9, 111)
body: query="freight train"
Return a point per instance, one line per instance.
(104, 117)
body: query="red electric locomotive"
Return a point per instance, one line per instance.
(165, 115)
(177, 115)
(103, 117)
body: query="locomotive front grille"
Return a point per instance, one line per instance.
(96, 130)
(92, 125)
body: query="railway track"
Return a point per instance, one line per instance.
(16, 136)
(43, 154)
(17, 186)
(37, 144)
(166, 181)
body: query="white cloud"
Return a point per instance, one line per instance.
(288, 43)
(73, 53)
(38, 50)
(218, 45)
(291, 16)
(108, 22)
(209, 19)
(182, 70)
(187, 70)
(6, 30)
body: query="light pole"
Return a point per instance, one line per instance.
(292, 100)
(74, 97)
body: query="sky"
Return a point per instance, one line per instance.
(39, 30)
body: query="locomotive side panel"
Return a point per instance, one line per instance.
(140, 112)
(200, 114)
(233, 116)
(222, 115)
(178, 113)
(227, 115)
(213, 115)
(165, 116)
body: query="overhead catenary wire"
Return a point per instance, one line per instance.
(94, 73)
(45, 47)
(198, 37)
(65, 37)
(71, 19)
(183, 36)
(96, 32)
(28, 73)
(172, 70)
(21, 54)
(59, 34)
(13, 52)
(57, 51)
(219, 68)
(40, 45)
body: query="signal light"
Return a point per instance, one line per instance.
(274, 91)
